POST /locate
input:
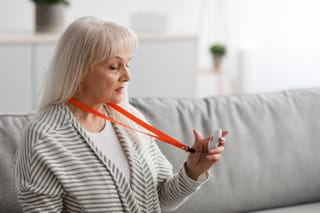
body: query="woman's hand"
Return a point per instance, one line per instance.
(202, 160)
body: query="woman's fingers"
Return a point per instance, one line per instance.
(199, 138)
(217, 150)
(197, 135)
(201, 144)
(224, 132)
(215, 154)
(222, 141)
(215, 157)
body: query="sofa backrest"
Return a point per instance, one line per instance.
(271, 158)
(11, 127)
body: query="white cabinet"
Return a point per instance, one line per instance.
(23, 68)
(16, 78)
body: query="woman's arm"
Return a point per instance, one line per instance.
(37, 187)
(175, 189)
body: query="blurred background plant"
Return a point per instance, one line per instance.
(65, 2)
(218, 50)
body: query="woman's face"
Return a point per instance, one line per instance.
(107, 81)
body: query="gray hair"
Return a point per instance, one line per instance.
(86, 42)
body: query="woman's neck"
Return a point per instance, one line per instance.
(87, 120)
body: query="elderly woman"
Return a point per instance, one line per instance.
(71, 160)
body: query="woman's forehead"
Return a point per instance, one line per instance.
(122, 55)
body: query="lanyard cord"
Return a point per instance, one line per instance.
(157, 133)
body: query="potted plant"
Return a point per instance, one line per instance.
(49, 16)
(218, 50)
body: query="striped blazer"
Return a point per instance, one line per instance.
(59, 169)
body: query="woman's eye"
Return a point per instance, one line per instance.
(118, 67)
(114, 67)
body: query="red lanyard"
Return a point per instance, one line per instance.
(158, 134)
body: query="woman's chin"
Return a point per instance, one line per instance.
(116, 100)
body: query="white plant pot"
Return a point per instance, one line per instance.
(217, 63)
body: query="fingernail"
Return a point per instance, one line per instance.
(212, 151)
(224, 132)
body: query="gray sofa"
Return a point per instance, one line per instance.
(270, 164)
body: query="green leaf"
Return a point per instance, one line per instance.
(218, 49)
(65, 2)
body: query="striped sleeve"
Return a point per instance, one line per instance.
(175, 189)
(37, 187)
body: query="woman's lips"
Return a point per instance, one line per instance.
(120, 90)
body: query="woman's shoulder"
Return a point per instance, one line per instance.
(49, 120)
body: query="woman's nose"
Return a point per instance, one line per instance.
(125, 74)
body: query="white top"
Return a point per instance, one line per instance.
(109, 144)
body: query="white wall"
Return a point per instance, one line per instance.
(279, 69)
(253, 28)
(16, 15)
(276, 43)
(183, 15)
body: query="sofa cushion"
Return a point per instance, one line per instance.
(272, 155)
(11, 127)
(309, 208)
